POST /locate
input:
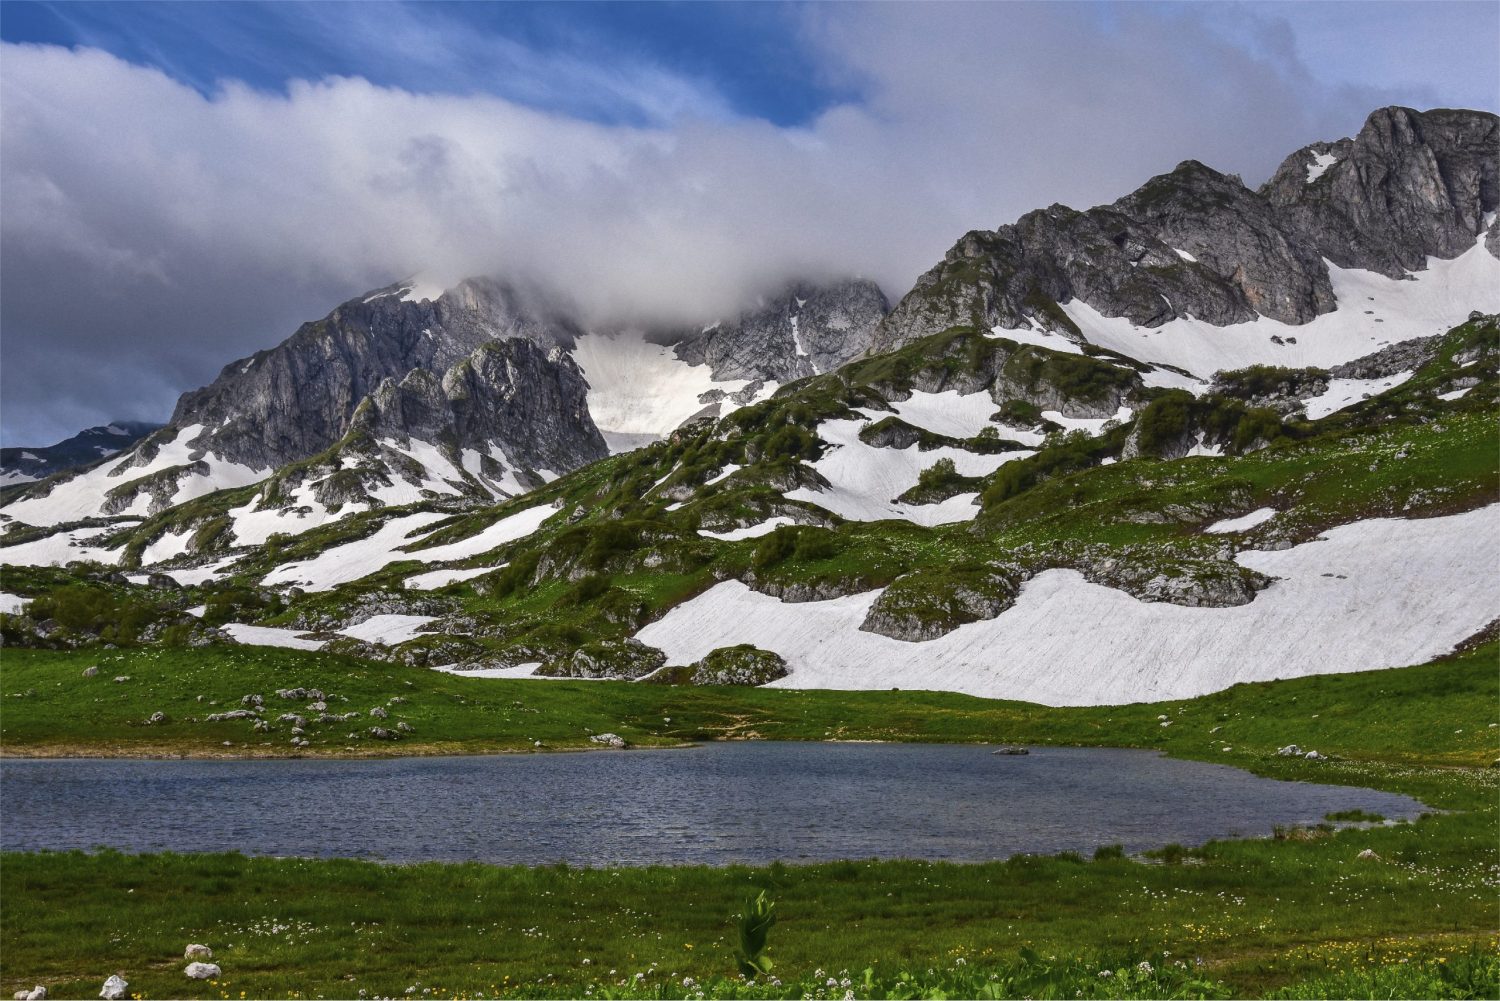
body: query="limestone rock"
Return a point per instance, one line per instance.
(203, 971)
(114, 988)
(197, 952)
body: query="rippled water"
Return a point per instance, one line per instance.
(735, 802)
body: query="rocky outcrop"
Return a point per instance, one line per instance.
(932, 602)
(806, 329)
(621, 659)
(1409, 186)
(1197, 242)
(18, 465)
(743, 665)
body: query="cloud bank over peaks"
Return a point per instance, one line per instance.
(150, 232)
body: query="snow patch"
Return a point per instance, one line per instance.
(1257, 517)
(1456, 394)
(1430, 302)
(749, 532)
(1343, 393)
(12, 604)
(388, 630)
(1375, 594)
(1320, 163)
(270, 636)
(434, 579)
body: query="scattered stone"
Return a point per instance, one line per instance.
(37, 993)
(1166, 722)
(121, 679)
(318, 707)
(1368, 855)
(197, 952)
(203, 971)
(397, 700)
(157, 718)
(404, 727)
(114, 988)
(261, 726)
(292, 718)
(608, 739)
(253, 700)
(1011, 750)
(89, 672)
(379, 713)
(232, 714)
(1315, 756)
(381, 733)
(1289, 751)
(297, 731)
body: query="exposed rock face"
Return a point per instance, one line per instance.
(297, 398)
(806, 330)
(1411, 185)
(1198, 242)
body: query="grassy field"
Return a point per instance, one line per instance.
(48, 708)
(1299, 916)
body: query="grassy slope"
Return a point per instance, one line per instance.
(48, 708)
(1260, 913)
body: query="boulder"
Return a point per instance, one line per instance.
(379, 713)
(114, 988)
(1368, 855)
(608, 739)
(37, 993)
(197, 952)
(1289, 751)
(255, 701)
(89, 672)
(203, 971)
(157, 718)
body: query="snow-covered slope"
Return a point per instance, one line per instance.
(143, 482)
(1380, 593)
(1373, 311)
(640, 392)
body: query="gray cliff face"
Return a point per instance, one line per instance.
(1411, 185)
(528, 400)
(1195, 241)
(805, 330)
(296, 399)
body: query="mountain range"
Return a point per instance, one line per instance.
(1083, 459)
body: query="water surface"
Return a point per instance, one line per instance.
(751, 802)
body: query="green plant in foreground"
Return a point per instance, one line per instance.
(754, 926)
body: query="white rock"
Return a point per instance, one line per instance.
(1368, 855)
(1289, 751)
(1315, 756)
(203, 971)
(37, 993)
(197, 952)
(114, 988)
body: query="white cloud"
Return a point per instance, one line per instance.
(178, 231)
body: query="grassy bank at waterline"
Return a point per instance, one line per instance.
(1439, 713)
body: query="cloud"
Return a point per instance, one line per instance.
(150, 233)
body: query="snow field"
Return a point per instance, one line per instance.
(1373, 594)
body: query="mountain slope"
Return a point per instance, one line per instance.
(25, 465)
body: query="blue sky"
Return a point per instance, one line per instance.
(182, 184)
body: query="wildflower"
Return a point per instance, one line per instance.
(1144, 966)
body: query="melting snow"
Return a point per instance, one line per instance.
(1431, 302)
(1185, 255)
(61, 548)
(1456, 394)
(354, 560)
(1038, 338)
(388, 630)
(865, 480)
(1343, 393)
(749, 532)
(1397, 592)
(434, 579)
(1320, 163)
(1257, 517)
(11, 604)
(270, 636)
